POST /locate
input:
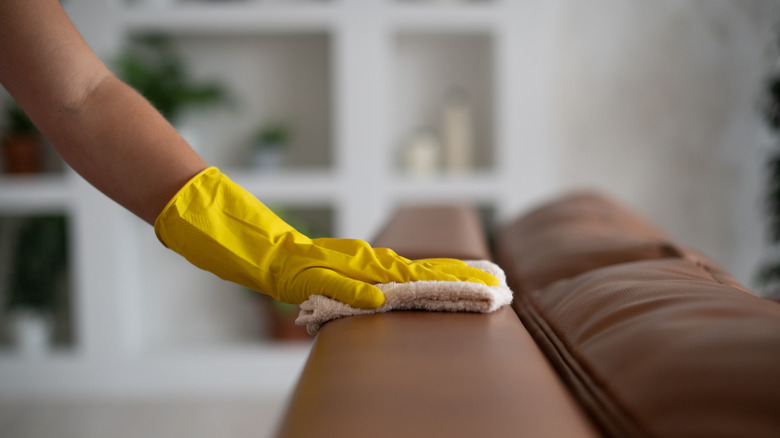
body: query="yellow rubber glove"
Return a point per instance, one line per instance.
(220, 227)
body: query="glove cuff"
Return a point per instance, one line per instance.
(195, 180)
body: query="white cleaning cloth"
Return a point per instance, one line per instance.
(446, 296)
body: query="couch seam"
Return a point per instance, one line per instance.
(611, 417)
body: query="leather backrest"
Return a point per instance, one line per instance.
(577, 233)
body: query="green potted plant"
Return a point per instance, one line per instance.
(269, 144)
(158, 72)
(40, 257)
(22, 152)
(770, 272)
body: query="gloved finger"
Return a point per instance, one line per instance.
(351, 247)
(462, 272)
(332, 284)
(442, 261)
(458, 268)
(403, 270)
(382, 265)
(359, 248)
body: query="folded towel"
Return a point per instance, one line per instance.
(447, 296)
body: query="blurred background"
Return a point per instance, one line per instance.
(335, 112)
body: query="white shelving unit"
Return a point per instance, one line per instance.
(358, 75)
(35, 194)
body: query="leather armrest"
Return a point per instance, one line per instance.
(410, 374)
(449, 231)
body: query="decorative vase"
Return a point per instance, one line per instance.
(458, 132)
(268, 157)
(421, 154)
(22, 153)
(281, 321)
(30, 331)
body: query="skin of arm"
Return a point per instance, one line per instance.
(103, 129)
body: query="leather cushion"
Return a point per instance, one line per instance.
(574, 234)
(663, 348)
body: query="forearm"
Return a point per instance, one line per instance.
(117, 141)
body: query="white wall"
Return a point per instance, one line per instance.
(655, 103)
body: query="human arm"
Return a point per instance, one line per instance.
(90, 116)
(117, 141)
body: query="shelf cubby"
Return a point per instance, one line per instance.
(430, 69)
(208, 312)
(35, 193)
(36, 283)
(270, 78)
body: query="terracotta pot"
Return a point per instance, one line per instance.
(281, 321)
(22, 153)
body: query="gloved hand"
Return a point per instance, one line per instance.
(220, 227)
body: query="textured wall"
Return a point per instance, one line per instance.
(655, 102)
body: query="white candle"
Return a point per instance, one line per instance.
(457, 132)
(421, 155)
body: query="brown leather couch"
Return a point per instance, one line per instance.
(617, 331)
